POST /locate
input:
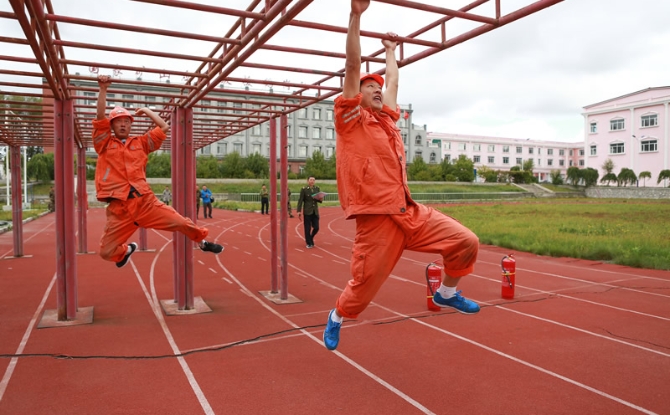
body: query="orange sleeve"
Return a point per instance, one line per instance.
(102, 132)
(153, 140)
(347, 113)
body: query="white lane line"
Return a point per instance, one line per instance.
(156, 308)
(213, 270)
(580, 299)
(227, 280)
(22, 345)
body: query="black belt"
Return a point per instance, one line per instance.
(134, 193)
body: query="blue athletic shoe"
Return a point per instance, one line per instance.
(331, 335)
(458, 302)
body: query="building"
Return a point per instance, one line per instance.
(310, 129)
(498, 153)
(632, 131)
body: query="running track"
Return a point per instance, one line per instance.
(581, 337)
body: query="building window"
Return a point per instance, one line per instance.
(594, 150)
(256, 130)
(404, 138)
(476, 147)
(649, 120)
(446, 145)
(550, 162)
(571, 163)
(432, 157)
(222, 149)
(647, 146)
(581, 163)
(316, 133)
(550, 151)
(256, 148)
(539, 151)
(417, 140)
(530, 150)
(519, 150)
(505, 149)
(617, 148)
(519, 161)
(329, 115)
(330, 134)
(476, 159)
(617, 124)
(237, 148)
(539, 162)
(302, 151)
(302, 132)
(288, 130)
(329, 152)
(127, 98)
(461, 146)
(581, 151)
(447, 158)
(316, 113)
(491, 159)
(302, 113)
(492, 148)
(505, 160)
(561, 163)
(316, 149)
(418, 154)
(570, 153)
(593, 127)
(561, 152)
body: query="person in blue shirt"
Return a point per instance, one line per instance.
(206, 196)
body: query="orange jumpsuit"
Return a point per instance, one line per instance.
(119, 167)
(372, 187)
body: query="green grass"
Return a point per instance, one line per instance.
(626, 232)
(563, 188)
(38, 210)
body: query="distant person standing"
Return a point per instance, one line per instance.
(206, 196)
(265, 201)
(288, 202)
(307, 205)
(167, 196)
(197, 202)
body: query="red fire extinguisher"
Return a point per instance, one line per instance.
(508, 265)
(433, 280)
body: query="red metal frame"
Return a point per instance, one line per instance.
(218, 79)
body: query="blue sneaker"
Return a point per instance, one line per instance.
(458, 302)
(331, 335)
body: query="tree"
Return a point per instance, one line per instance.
(590, 176)
(645, 175)
(159, 165)
(574, 175)
(626, 176)
(608, 166)
(609, 177)
(418, 169)
(463, 169)
(556, 177)
(207, 167)
(316, 166)
(259, 165)
(663, 175)
(517, 175)
(489, 175)
(232, 166)
(41, 167)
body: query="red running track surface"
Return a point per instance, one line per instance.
(581, 337)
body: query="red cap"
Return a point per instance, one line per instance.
(374, 77)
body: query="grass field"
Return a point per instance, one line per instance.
(626, 232)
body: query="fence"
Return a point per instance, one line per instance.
(419, 197)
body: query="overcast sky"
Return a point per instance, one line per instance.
(529, 79)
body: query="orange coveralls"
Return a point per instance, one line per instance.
(119, 167)
(372, 187)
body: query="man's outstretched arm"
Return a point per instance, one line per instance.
(352, 68)
(392, 73)
(103, 82)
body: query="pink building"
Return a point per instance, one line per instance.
(632, 131)
(498, 153)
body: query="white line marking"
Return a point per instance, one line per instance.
(22, 345)
(213, 270)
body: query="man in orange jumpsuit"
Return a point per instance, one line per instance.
(372, 187)
(120, 180)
